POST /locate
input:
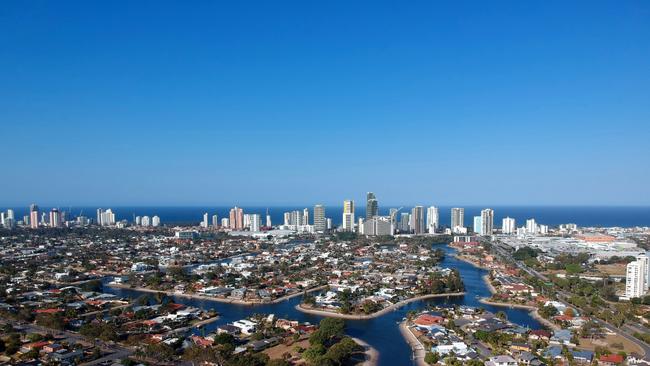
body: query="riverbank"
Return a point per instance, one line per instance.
(463, 259)
(533, 310)
(372, 355)
(416, 346)
(331, 314)
(216, 299)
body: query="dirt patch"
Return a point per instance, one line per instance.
(608, 341)
(612, 269)
(279, 350)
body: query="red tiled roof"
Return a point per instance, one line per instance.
(611, 358)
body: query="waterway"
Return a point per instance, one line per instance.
(382, 332)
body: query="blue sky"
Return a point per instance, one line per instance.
(292, 102)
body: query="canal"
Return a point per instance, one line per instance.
(381, 332)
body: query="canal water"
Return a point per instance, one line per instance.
(381, 332)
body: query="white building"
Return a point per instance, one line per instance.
(508, 225)
(457, 218)
(215, 221)
(377, 225)
(155, 221)
(146, 221)
(636, 279)
(204, 223)
(348, 215)
(478, 223)
(433, 219)
(255, 222)
(487, 221)
(531, 226)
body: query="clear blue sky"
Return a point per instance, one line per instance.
(272, 102)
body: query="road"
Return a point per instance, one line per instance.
(502, 250)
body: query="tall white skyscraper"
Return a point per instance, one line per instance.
(636, 278)
(433, 219)
(305, 216)
(146, 221)
(215, 221)
(320, 225)
(255, 222)
(155, 221)
(531, 226)
(645, 259)
(348, 215)
(487, 221)
(10, 214)
(33, 216)
(204, 223)
(55, 218)
(508, 225)
(457, 217)
(417, 220)
(268, 219)
(478, 223)
(287, 218)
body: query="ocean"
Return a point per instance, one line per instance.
(596, 216)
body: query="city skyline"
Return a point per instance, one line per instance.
(546, 103)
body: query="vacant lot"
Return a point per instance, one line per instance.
(612, 269)
(608, 342)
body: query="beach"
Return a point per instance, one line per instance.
(379, 313)
(418, 349)
(372, 355)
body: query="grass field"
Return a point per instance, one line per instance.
(608, 341)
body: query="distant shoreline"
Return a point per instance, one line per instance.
(331, 314)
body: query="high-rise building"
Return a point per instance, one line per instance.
(348, 215)
(377, 225)
(404, 222)
(531, 226)
(55, 218)
(417, 220)
(636, 278)
(204, 222)
(215, 221)
(487, 221)
(645, 259)
(33, 216)
(146, 221)
(320, 224)
(508, 225)
(433, 219)
(287, 218)
(10, 214)
(269, 224)
(138, 220)
(225, 222)
(255, 222)
(457, 217)
(372, 207)
(478, 223)
(105, 217)
(236, 218)
(305, 216)
(329, 224)
(155, 221)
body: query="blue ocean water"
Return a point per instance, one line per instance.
(599, 216)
